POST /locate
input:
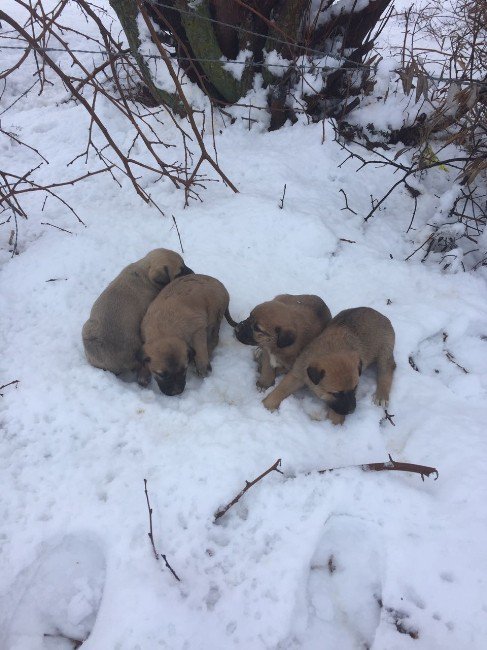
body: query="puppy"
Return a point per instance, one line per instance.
(281, 328)
(180, 326)
(111, 336)
(332, 364)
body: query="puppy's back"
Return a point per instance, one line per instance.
(183, 300)
(373, 329)
(314, 305)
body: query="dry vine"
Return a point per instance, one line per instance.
(119, 82)
(390, 465)
(450, 111)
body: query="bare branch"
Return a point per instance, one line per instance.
(248, 484)
(151, 536)
(391, 465)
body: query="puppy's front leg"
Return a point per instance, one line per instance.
(267, 374)
(200, 347)
(290, 384)
(385, 371)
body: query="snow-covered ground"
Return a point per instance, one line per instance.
(347, 560)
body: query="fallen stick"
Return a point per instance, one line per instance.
(151, 536)
(10, 383)
(423, 470)
(248, 485)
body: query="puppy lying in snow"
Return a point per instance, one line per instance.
(332, 364)
(281, 328)
(182, 325)
(111, 335)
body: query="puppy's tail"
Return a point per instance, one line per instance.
(230, 320)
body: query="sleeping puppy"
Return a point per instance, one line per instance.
(332, 364)
(281, 328)
(111, 336)
(182, 325)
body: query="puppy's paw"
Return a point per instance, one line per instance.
(263, 385)
(271, 403)
(380, 400)
(335, 418)
(144, 377)
(203, 371)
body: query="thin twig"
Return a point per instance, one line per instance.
(77, 643)
(412, 363)
(248, 484)
(281, 202)
(179, 236)
(45, 223)
(150, 533)
(451, 358)
(389, 417)
(347, 207)
(10, 383)
(151, 536)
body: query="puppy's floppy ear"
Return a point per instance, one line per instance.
(160, 275)
(191, 354)
(315, 374)
(360, 367)
(285, 338)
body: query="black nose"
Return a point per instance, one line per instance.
(185, 270)
(171, 388)
(244, 334)
(345, 403)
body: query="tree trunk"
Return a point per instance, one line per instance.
(208, 35)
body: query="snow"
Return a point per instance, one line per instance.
(343, 560)
(237, 66)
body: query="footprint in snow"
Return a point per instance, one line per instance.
(58, 597)
(341, 607)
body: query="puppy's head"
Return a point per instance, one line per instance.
(168, 362)
(266, 327)
(165, 266)
(334, 378)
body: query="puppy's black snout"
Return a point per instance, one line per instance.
(185, 270)
(243, 332)
(170, 387)
(344, 403)
(170, 390)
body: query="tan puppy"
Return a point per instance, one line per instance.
(332, 364)
(281, 328)
(180, 326)
(111, 336)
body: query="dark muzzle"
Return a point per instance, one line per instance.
(185, 270)
(244, 333)
(345, 403)
(171, 386)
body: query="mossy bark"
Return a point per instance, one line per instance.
(204, 44)
(127, 12)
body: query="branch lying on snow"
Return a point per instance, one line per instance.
(151, 536)
(77, 643)
(248, 485)
(423, 470)
(10, 383)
